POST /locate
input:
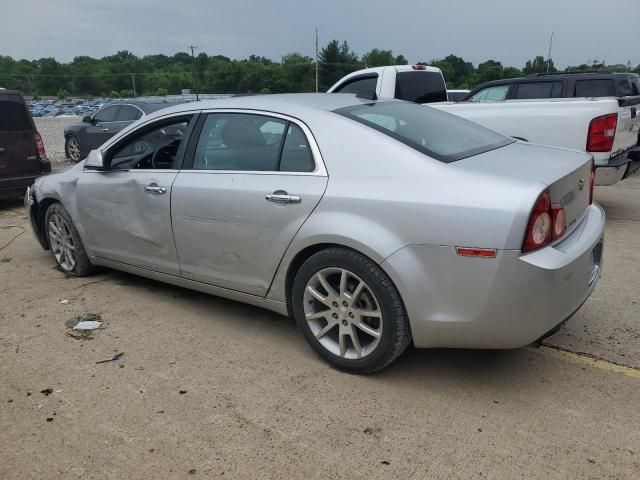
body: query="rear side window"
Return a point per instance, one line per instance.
(13, 116)
(359, 85)
(107, 114)
(127, 114)
(497, 93)
(595, 88)
(296, 153)
(539, 90)
(438, 134)
(420, 87)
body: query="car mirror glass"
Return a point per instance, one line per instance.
(94, 161)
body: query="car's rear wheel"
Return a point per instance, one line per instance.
(72, 147)
(349, 311)
(64, 240)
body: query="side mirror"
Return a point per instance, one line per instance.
(87, 119)
(94, 161)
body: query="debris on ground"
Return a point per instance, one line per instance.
(112, 359)
(64, 302)
(83, 325)
(47, 391)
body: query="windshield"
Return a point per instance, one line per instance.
(440, 135)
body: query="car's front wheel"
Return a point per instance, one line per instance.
(72, 147)
(350, 311)
(64, 240)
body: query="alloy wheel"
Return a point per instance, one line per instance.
(61, 242)
(343, 313)
(73, 148)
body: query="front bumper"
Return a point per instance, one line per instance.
(35, 216)
(506, 302)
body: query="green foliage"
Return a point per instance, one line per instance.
(126, 94)
(164, 74)
(62, 94)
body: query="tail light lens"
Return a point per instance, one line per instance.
(559, 219)
(592, 181)
(40, 146)
(602, 131)
(419, 67)
(538, 232)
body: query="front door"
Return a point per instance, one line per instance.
(253, 181)
(125, 211)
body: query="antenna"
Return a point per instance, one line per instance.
(192, 48)
(549, 55)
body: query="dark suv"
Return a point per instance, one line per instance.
(22, 155)
(96, 129)
(557, 85)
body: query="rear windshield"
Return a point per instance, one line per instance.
(420, 87)
(440, 135)
(13, 116)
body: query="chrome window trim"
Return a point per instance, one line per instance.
(320, 167)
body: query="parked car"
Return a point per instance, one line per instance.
(413, 83)
(557, 85)
(371, 222)
(456, 95)
(22, 154)
(97, 128)
(607, 128)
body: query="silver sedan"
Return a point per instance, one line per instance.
(374, 223)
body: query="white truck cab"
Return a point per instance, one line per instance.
(413, 83)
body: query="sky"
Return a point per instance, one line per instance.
(508, 31)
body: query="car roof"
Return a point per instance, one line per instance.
(145, 106)
(286, 103)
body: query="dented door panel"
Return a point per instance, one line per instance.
(127, 222)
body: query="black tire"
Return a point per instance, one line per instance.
(82, 266)
(396, 332)
(70, 151)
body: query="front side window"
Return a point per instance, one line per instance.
(539, 90)
(107, 114)
(420, 87)
(249, 142)
(497, 93)
(359, 85)
(440, 135)
(155, 147)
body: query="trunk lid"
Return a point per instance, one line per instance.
(565, 172)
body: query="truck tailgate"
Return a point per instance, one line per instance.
(628, 127)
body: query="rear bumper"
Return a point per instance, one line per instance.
(618, 167)
(506, 302)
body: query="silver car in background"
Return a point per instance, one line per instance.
(373, 223)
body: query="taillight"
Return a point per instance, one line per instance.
(419, 67)
(592, 181)
(40, 146)
(538, 233)
(602, 131)
(559, 220)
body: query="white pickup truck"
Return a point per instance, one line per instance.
(608, 128)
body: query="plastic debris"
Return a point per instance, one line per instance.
(64, 302)
(87, 325)
(112, 359)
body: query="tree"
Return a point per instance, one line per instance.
(538, 65)
(380, 58)
(488, 71)
(336, 61)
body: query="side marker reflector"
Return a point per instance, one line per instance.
(477, 252)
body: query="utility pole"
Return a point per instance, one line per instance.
(549, 54)
(316, 59)
(133, 81)
(193, 47)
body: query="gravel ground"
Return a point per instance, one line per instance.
(52, 131)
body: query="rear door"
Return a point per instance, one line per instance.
(18, 153)
(249, 183)
(103, 126)
(125, 117)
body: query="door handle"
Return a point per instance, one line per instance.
(105, 129)
(282, 197)
(154, 188)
